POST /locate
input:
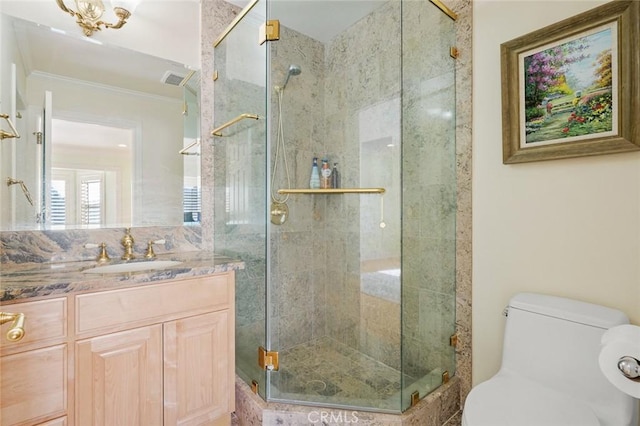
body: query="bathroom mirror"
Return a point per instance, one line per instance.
(101, 129)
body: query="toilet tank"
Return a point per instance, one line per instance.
(556, 342)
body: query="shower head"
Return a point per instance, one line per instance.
(293, 70)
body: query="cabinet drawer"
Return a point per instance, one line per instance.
(34, 385)
(133, 307)
(45, 323)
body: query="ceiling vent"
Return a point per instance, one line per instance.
(172, 78)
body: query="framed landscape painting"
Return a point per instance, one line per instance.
(573, 88)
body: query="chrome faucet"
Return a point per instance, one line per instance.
(127, 242)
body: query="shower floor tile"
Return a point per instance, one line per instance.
(324, 370)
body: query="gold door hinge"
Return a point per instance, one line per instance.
(215, 75)
(454, 52)
(268, 360)
(415, 398)
(269, 31)
(453, 340)
(255, 386)
(445, 377)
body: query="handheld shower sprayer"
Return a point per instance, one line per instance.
(279, 208)
(293, 70)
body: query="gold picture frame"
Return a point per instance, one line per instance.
(552, 108)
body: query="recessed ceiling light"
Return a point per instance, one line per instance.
(121, 145)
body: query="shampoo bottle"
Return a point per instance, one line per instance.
(335, 176)
(314, 182)
(325, 174)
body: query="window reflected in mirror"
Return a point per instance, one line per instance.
(91, 168)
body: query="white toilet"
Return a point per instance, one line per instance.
(550, 374)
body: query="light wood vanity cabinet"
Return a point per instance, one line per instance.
(160, 354)
(33, 371)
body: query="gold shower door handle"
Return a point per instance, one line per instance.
(16, 332)
(217, 130)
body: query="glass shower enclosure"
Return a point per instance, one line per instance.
(347, 298)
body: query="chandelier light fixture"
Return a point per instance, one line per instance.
(89, 13)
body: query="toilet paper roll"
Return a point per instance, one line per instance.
(626, 343)
(628, 332)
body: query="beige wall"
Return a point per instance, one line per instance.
(567, 227)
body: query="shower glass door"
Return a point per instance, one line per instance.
(428, 199)
(334, 282)
(240, 167)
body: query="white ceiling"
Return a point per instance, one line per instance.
(49, 52)
(321, 20)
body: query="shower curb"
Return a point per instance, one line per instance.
(439, 408)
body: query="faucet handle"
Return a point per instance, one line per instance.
(150, 254)
(103, 256)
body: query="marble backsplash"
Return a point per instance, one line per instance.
(18, 247)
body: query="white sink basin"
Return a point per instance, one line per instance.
(120, 268)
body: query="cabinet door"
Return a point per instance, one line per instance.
(196, 370)
(33, 386)
(119, 378)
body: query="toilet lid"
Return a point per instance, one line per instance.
(513, 401)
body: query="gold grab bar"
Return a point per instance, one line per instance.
(5, 135)
(333, 191)
(216, 131)
(184, 150)
(16, 332)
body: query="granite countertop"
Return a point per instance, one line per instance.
(29, 280)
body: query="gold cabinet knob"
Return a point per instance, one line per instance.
(16, 332)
